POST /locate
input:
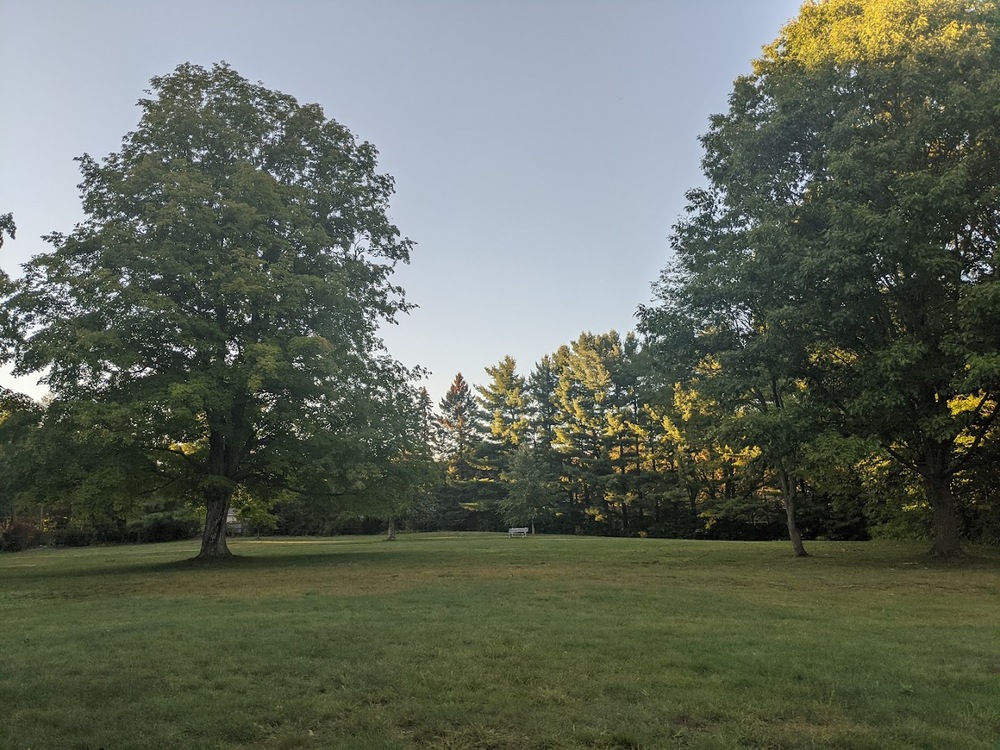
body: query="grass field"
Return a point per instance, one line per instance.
(480, 641)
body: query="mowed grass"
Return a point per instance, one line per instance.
(480, 641)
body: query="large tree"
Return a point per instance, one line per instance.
(741, 362)
(218, 308)
(594, 424)
(853, 183)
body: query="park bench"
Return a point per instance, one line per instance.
(517, 531)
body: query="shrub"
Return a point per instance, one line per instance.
(72, 536)
(166, 526)
(18, 535)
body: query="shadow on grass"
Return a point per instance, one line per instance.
(331, 557)
(277, 555)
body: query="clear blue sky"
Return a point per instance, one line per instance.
(541, 148)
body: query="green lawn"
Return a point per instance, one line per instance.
(480, 641)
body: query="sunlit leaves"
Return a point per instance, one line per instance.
(847, 237)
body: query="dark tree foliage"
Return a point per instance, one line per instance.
(7, 227)
(460, 430)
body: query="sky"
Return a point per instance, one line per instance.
(541, 149)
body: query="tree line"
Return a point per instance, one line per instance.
(821, 356)
(825, 341)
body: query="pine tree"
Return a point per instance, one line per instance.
(460, 430)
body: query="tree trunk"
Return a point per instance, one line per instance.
(935, 471)
(793, 528)
(789, 497)
(213, 540)
(219, 489)
(692, 492)
(390, 534)
(947, 537)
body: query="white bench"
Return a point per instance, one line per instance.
(518, 532)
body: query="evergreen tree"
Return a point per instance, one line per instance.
(460, 430)
(504, 401)
(542, 409)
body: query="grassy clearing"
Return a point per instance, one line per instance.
(479, 641)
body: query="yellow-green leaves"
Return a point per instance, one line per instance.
(847, 239)
(847, 33)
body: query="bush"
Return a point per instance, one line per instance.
(168, 526)
(19, 535)
(72, 536)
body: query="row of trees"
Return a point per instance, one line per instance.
(608, 436)
(823, 353)
(837, 276)
(605, 436)
(834, 300)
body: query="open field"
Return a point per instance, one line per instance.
(480, 641)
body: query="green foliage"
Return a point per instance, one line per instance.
(18, 415)
(217, 311)
(505, 402)
(542, 408)
(71, 536)
(19, 534)
(532, 489)
(843, 252)
(256, 515)
(605, 435)
(460, 430)
(584, 397)
(85, 482)
(163, 519)
(7, 227)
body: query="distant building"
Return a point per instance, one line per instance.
(233, 524)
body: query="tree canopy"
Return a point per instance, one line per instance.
(850, 225)
(218, 308)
